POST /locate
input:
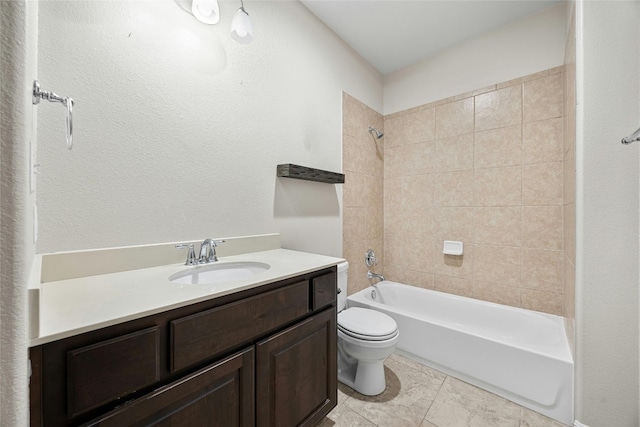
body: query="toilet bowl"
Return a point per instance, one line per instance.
(365, 339)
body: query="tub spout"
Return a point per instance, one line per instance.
(372, 275)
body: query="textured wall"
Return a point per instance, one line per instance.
(527, 46)
(178, 129)
(607, 185)
(17, 71)
(363, 223)
(484, 168)
(569, 179)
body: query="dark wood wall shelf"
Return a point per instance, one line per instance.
(289, 170)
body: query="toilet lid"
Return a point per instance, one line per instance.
(366, 324)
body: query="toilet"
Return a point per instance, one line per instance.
(365, 339)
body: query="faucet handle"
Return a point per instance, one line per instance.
(191, 256)
(213, 256)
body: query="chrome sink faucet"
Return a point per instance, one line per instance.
(207, 252)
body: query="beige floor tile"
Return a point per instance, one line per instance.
(530, 418)
(344, 392)
(343, 416)
(459, 404)
(406, 400)
(435, 374)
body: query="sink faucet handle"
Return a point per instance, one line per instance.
(191, 256)
(213, 257)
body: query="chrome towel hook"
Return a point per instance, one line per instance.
(68, 102)
(631, 138)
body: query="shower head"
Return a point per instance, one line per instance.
(375, 133)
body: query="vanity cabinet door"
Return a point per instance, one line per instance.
(296, 381)
(220, 395)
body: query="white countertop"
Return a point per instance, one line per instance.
(74, 306)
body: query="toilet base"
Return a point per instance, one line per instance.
(364, 377)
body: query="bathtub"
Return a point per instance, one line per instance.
(519, 354)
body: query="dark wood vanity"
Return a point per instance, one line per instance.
(260, 357)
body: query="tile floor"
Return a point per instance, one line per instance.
(418, 396)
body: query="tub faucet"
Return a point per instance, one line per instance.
(208, 251)
(372, 275)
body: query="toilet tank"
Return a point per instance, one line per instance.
(342, 285)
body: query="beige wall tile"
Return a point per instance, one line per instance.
(524, 79)
(418, 254)
(454, 118)
(569, 176)
(542, 270)
(569, 231)
(420, 126)
(374, 220)
(418, 159)
(418, 222)
(542, 184)
(454, 188)
(352, 156)
(454, 266)
(499, 294)
(395, 274)
(453, 285)
(546, 302)
(418, 190)
(393, 221)
(431, 178)
(393, 131)
(353, 252)
(455, 224)
(353, 224)
(542, 227)
(500, 265)
(498, 226)
(569, 289)
(393, 191)
(498, 147)
(498, 109)
(393, 166)
(354, 190)
(372, 151)
(419, 279)
(542, 141)
(454, 153)
(353, 116)
(542, 98)
(498, 186)
(393, 252)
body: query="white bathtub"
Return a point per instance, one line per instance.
(519, 354)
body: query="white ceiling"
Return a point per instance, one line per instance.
(393, 34)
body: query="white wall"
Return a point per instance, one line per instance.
(608, 108)
(178, 129)
(524, 47)
(18, 23)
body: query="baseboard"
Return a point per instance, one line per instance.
(577, 423)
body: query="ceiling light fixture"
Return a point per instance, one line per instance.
(208, 12)
(241, 29)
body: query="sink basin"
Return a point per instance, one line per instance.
(217, 273)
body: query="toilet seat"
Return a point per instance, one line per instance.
(366, 324)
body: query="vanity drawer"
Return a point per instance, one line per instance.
(203, 335)
(323, 290)
(111, 369)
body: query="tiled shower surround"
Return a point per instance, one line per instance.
(484, 168)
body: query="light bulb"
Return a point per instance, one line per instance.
(241, 29)
(206, 11)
